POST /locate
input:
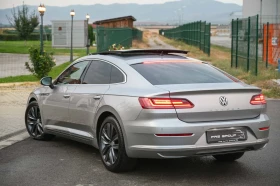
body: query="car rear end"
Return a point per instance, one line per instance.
(204, 112)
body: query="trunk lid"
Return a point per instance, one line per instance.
(215, 101)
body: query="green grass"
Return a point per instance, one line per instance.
(21, 47)
(30, 78)
(221, 58)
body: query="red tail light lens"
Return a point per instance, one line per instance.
(264, 128)
(258, 100)
(165, 103)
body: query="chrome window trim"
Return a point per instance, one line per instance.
(102, 60)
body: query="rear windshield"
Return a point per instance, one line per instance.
(180, 73)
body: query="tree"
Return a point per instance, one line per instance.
(91, 35)
(23, 22)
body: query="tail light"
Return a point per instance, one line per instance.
(264, 128)
(258, 100)
(165, 103)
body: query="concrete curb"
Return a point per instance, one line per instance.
(14, 139)
(17, 84)
(12, 134)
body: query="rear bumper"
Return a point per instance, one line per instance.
(193, 150)
(141, 141)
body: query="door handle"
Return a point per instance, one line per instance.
(97, 97)
(66, 96)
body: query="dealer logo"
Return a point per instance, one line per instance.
(223, 101)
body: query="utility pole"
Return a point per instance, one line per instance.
(88, 43)
(72, 14)
(42, 10)
(261, 14)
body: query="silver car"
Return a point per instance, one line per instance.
(149, 104)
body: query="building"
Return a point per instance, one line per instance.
(118, 22)
(61, 33)
(261, 7)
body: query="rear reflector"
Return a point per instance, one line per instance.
(165, 103)
(258, 100)
(174, 135)
(264, 128)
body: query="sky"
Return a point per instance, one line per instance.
(10, 3)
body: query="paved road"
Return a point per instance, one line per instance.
(225, 41)
(221, 41)
(64, 162)
(13, 98)
(14, 64)
(155, 42)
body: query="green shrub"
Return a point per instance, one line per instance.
(41, 65)
(14, 37)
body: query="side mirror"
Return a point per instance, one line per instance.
(47, 81)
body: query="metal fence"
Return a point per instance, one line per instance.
(137, 34)
(195, 33)
(254, 41)
(244, 50)
(106, 37)
(269, 37)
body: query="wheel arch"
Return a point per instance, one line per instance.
(32, 99)
(103, 113)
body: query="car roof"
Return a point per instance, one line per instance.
(131, 57)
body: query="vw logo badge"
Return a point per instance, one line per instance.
(223, 101)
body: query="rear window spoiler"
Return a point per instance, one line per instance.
(141, 51)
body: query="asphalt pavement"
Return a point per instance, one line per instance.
(65, 162)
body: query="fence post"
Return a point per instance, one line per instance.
(231, 62)
(200, 35)
(236, 52)
(248, 43)
(267, 37)
(209, 41)
(257, 44)
(97, 39)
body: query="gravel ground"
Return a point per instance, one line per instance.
(13, 98)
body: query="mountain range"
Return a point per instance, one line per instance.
(193, 10)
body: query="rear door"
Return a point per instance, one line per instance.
(87, 96)
(215, 95)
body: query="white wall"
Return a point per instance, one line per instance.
(62, 38)
(252, 7)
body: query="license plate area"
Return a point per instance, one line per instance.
(226, 135)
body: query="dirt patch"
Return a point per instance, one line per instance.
(19, 85)
(139, 44)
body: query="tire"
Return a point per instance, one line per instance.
(33, 122)
(112, 147)
(229, 157)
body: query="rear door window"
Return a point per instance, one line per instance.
(98, 73)
(116, 76)
(180, 73)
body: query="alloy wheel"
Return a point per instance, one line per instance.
(34, 122)
(109, 143)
